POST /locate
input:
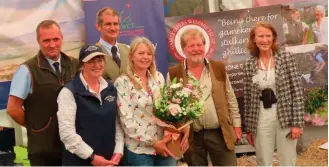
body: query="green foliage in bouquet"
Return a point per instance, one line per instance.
(315, 98)
(179, 104)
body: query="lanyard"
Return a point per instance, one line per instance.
(268, 68)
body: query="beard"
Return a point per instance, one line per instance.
(197, 60)
(296, 20)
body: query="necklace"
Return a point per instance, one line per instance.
(263, 66)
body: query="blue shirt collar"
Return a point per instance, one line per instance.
(108, 46)
(51, 62)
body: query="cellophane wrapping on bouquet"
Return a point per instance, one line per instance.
(177, 107)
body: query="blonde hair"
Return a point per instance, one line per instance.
(131, 69)
(252, 47)
(191, 33)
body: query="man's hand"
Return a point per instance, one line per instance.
(238, 133)
(161, 148)
(101, 161)
(184, 145)
(250, 139)
(116, 158)
(296, 132)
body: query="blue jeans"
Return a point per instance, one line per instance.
(133, 159)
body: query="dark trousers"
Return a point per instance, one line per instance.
(45, 159)
(212, 142)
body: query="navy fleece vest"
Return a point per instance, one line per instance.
(95, 121)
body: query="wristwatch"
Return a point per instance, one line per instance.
(91, 157)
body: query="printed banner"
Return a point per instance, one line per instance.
(18, 43)
(137, 18)
(180, 8)
(305, 27)
(226, 36)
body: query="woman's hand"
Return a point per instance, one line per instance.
(296, 132)
(101, 161)
(184, 145)
(250, 139)
(161, 148)
(116, 158)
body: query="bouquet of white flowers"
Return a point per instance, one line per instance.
(176, 108)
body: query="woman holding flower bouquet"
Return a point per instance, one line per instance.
(145, 144)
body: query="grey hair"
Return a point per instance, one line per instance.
(321, 9)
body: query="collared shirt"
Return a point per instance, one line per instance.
(319, 58)
(321, 33)
(209, 120)
(21, 84)
(66, 114)
(108, 46)
(135, 110)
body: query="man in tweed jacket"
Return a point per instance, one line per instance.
(280, 123)
(218, 130)
(107, 23)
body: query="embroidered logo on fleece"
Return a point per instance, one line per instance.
(109, 98)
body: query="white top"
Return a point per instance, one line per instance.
(66, 114)
(135, 111)
(269, 83)
(321, 33)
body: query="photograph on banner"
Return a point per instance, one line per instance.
(134, 21)
(312, 64)
(18, 42)
(226, 35)
(305, 22)
(306, 35)
(260, 3)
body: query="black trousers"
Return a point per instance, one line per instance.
(45, 159)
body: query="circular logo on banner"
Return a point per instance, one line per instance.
(190, 23)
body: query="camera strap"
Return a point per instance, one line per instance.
(264, 68)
